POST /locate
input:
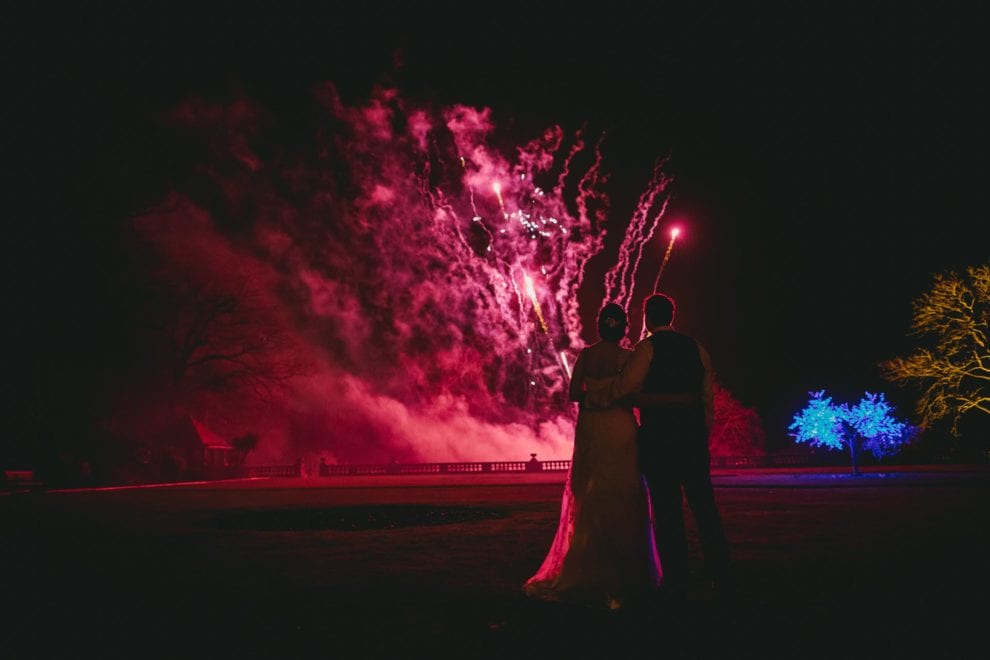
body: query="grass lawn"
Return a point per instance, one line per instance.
(828, 567)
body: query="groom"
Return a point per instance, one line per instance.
(673, 441)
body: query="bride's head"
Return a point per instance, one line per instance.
(612, 322)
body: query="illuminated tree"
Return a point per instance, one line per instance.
(954, 367)
(868, 424)
(736, 429)
(820, 423)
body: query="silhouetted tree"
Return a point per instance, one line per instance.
(244, 445)
(222, 339)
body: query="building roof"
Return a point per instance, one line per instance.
(209, 439)
(190, 432)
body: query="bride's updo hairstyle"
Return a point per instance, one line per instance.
(612, 322)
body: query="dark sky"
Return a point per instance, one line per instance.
(827, 158)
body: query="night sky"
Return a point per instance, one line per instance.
(827, 159)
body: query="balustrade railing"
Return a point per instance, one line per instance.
(533, 465)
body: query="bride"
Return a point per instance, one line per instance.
(604, 553)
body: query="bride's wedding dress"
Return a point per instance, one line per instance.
(603, 552)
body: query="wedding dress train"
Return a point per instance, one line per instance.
(603, 552)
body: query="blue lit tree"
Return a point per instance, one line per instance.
(869, 424)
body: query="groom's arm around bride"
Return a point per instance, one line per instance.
(628, 386)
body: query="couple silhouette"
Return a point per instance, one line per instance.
(621, 537)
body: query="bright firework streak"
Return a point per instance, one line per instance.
(567, 366)
(666, 256)
(531, 292)
(497, 187)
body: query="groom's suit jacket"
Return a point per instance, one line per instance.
(676, 367)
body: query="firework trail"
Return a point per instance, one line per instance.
(620, 280)
(666, 257)
(497, 188)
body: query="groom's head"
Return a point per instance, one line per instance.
(658, 310)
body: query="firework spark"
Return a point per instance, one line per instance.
(497, 187)
(566, 364)
(531, 292)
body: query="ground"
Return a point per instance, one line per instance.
(891, 564)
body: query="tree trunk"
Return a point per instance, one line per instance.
(852, 452)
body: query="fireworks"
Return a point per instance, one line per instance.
(462, 231)
(411, 252)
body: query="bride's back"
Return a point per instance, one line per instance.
(604, 359)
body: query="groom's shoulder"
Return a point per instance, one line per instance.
(644, 344)
(672, 338)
